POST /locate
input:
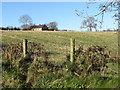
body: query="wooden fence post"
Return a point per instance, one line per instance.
(72, 50)
(24, 47)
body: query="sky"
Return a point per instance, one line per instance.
(61, 12)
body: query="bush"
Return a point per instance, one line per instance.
(35, 70)
(30, 69)
(14, 62)
(92, 60)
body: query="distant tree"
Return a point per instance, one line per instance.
(10, 27)
(52, 25)
(26, 20)
(25, 26)
(89, 23)
(7, 28)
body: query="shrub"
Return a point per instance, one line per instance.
(92, 60)
(14, 62)
(29, 69)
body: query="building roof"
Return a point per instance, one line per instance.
(38, 26)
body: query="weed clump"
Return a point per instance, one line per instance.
(92, 60)
(35, 70)
(28, 70)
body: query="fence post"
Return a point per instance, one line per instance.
(24, 47)
(72, 50)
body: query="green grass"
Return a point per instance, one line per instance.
(58, 44)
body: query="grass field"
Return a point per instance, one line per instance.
(58, 45)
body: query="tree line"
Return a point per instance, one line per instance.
(27, 22)
(10, 28)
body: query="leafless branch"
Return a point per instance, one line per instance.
(105, 8)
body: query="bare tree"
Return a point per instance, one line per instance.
(89, 23)
(52, 25)
(26, 20)
(108, 7)
(104, 7)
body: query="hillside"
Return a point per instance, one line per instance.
(58, 43)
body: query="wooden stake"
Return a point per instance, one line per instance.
(72, 51)
(24, 47)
